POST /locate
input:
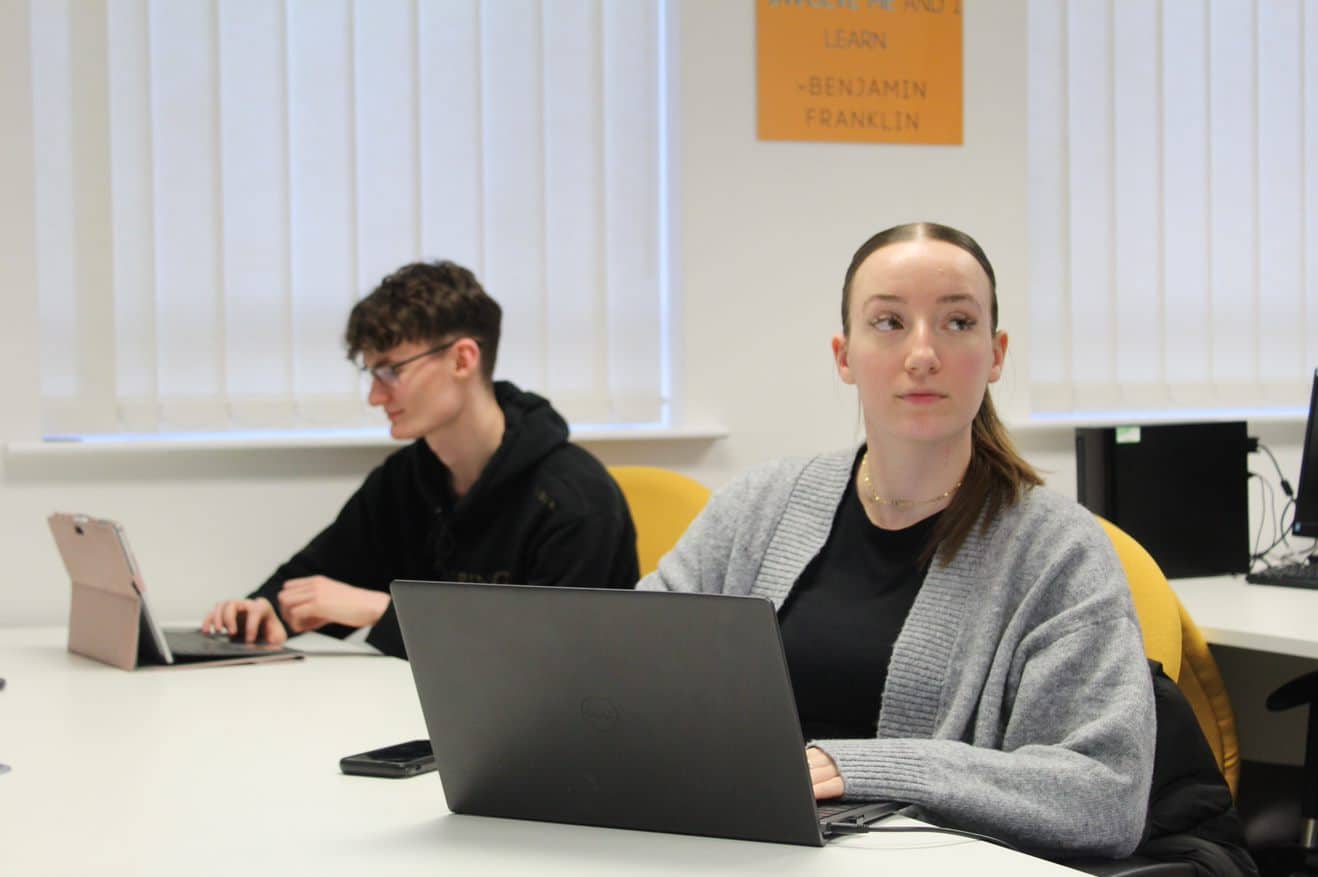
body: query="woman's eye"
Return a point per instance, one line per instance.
(886, 323)
(961, 324)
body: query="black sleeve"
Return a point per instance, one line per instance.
(586, 551)
(588, 540)
(387, 635)
(353, 549)
(583, 551)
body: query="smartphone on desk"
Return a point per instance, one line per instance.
(397, 761)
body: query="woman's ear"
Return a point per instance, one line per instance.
(840, 358)
(999, 355)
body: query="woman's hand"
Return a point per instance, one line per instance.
(314, 601)
(824, 774)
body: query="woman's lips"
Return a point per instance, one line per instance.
(922, 398)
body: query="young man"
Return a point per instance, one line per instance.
(489, 491)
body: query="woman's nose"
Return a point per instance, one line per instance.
(921, 357)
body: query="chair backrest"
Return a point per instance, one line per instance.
(1201, 681)
(1172, 638)
(662, 503)
(1155, 601)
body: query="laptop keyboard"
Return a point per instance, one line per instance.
(1292, 575)
(850, 817)
(828, 810)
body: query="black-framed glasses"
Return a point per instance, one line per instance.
(387, 374)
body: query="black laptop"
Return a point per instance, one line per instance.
(626, 709)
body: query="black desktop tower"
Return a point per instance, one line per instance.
(1179, 489)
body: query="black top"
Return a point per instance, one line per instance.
(542, 512)
(842, 618)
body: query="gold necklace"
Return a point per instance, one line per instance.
(899, 503)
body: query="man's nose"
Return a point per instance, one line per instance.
(379, 391)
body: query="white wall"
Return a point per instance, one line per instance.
(765, 232)
(768, 228)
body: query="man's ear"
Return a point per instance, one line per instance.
(466, 357)
(840, 358)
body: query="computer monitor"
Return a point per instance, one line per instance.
(1306, 498)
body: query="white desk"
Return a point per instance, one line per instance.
(1270, 636)
(235, 770)
(1265, 618)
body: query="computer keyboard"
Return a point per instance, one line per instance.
(1292, 575)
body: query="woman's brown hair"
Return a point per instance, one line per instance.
(997, 474)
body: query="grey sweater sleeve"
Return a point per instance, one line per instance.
(1052, 746)
(1074, 768)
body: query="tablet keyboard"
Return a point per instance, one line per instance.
(194, 643)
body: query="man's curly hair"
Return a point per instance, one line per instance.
(429, 302)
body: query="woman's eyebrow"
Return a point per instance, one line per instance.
(950, 298)
(957, 297)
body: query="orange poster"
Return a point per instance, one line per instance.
(859, 71)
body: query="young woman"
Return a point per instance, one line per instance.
(959, 638)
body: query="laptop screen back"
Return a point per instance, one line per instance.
(666, 712)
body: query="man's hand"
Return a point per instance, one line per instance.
(824, 774)
(315, 601)
(252, 620)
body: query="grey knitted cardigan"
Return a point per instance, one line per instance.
(1018, 700)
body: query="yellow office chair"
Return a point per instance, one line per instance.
(1171, 637)
(663, 504)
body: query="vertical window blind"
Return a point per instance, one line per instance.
(1173, 205)
(218, 181)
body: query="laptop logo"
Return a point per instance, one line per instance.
(599, 713)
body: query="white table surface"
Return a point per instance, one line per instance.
(1232, 612)
(235, 770)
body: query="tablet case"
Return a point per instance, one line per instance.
(106, 609)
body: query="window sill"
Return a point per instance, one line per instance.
(1044, 423)
(306, 439)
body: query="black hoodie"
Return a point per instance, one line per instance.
(542, 512)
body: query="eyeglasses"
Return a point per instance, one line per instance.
(387, 374)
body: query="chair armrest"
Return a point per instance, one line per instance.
(1297, 692)
(1304, 692)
